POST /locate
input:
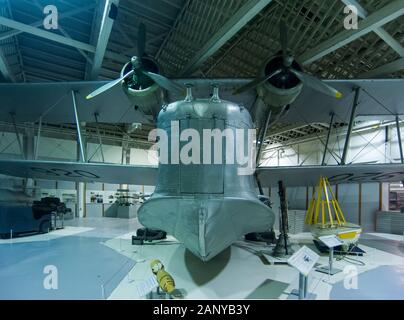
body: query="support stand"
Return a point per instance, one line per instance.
(303, 261)
(329, 269)
(158, 294)
(302, 293)
(283, 247)
(331, 242)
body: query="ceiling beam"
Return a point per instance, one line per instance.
(225, 33)
(107, 22)
(5, 68)
(381, 32)
(20, 28)
(46, 34)
(376, 20)
(12, 33)
(65, 33)
(385, 69)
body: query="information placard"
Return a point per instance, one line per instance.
(331, 241)
(303, 260)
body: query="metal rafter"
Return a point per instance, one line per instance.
(65, 33)
(376, 20)
(46, 34)
(12, 33)
(5, 68)
(390, 67)
(107, 23)
(247, 12)
(381, 32)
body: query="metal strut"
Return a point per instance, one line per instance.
(76, 117)
(12, 114)
(328, 138)
(399, 139)
(99, 136)
(350, 125)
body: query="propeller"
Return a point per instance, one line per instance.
(287, 69)
(109, 85)
(141, 40)
(317, 84)
(139, 75)
(256, 82)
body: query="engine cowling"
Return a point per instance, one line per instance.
(283, 88)
(279, 91)
(144, 93)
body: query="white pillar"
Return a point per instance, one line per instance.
(81, 199)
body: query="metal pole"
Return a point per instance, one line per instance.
(399, 139)
(302, 286)
(261, 191)
(38, 138)
(305, 286)
(262, 137)
(76, 117)
(331, 259)
(12, 114)
(350, 125)
(328, 138)
(99, 136)
(284, 215)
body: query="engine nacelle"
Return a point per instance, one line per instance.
(145, 94)
(279, 91)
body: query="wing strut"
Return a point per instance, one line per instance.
(328, 138)
(76, 117)
(350, 125)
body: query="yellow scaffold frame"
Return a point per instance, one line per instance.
(335, 216)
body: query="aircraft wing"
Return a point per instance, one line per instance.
(80, 172)
(310, 175)
(147, 175)
(28, 101)
(378, 100)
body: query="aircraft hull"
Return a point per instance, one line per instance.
(205, 226)
(206, 206)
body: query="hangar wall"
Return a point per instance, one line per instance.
(359, 202)
(379, 144)
(75, 194)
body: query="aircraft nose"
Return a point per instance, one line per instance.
(206, 226)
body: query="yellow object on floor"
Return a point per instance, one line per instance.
(324, 208)
(326, 218)
(164, 279)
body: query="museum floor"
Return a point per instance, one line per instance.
(95, 259)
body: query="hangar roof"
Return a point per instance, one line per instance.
(210, 38)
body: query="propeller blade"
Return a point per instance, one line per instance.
(141, 40)
(109, 85)
(163, 82)
(283, 39)
(256, 82)
(317, 84)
